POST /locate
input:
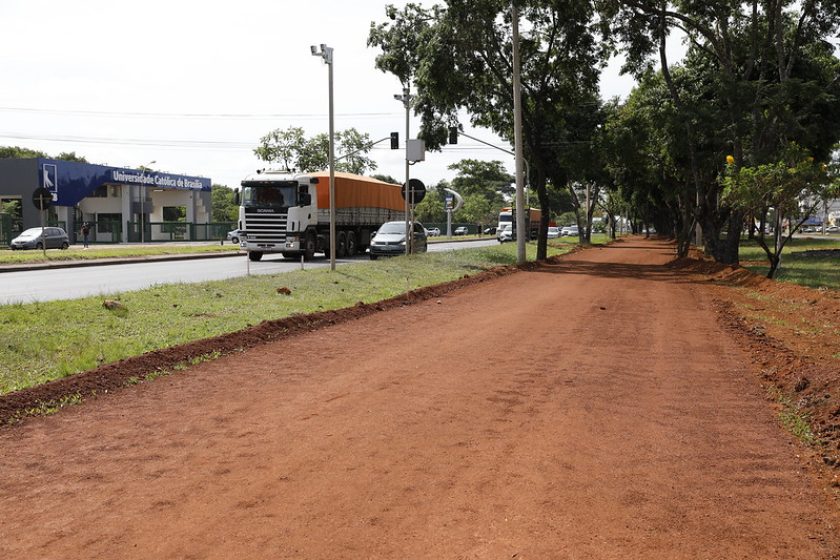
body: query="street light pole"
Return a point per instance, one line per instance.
(326, 53)
(406, 99)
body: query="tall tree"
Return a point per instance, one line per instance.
(292, 150)
(463, 61)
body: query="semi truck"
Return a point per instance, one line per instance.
(289, 213)
(507, 217)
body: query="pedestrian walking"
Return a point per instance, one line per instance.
(85, 233)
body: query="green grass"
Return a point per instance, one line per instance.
(107, 252)
(794, 421)
(50, 340)
(797, 268)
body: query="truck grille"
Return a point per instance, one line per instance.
(265, 228)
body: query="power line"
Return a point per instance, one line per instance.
(204, 116)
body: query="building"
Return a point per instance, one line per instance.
(122, 205)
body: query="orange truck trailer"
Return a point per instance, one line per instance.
(289, 213)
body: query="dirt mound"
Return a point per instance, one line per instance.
(793, 334)
(111, 377)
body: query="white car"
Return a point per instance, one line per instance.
(569, 231)
(505, 233)
(434, 232)
(553, 232)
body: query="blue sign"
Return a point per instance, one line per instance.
(71, 181)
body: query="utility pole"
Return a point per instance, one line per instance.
(326, 53)
(521, 233)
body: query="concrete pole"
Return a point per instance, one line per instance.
(521, 234)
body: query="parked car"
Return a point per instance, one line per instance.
(234, 235)
(490, 231)
(569, 231)
(40, 238)
(462, 230)
(390, 240)
(434, 232)
(833, 229)
(553, 232)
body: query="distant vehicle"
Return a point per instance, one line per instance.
(234, 235)
(390, 240)
(569, 231)
(287, 213)
(833, 229)
(490, 231)
(41, 238)
(505, 233)
(434, 232)
(532, 220)
(462, 230)
(553, 232)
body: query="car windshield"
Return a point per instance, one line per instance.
(392, 228)
(31, 232)
(269, 195)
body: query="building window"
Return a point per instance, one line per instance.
(115, 191)
(174, 213)
(108, 223)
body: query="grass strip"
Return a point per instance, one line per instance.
(51, 340)
(799, 266)
(109, 252)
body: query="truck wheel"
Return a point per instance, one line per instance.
(255, 255)
(309, 246)
(351, 244)
(341, 245)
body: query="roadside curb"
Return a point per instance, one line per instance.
(115, 260)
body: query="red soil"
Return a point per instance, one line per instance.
(590, 407)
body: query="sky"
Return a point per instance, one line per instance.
(193, 85)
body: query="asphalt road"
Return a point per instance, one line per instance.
(71, 283)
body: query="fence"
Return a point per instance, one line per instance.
(168, 232)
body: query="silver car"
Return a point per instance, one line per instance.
(390, 240)
(41, 238)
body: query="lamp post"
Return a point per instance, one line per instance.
(326, 53)
(142, 196)
(406, 100)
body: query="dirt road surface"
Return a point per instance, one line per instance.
(590, 409)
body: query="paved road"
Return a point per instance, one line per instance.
(640, 433)
(71, 283)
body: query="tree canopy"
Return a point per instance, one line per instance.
(292, 150)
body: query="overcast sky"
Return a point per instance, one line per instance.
(193, 85)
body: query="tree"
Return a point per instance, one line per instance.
(793, 187)
(294, 151)
(431, 208)
(223, 204)
(9, 152)
(755, 61)
(486, 178)
(462, 60)
(71, 156)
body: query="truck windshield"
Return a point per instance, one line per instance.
(269, 195)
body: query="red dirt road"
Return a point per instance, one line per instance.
(591, 409)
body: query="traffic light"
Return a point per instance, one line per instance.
(395, 140)
(453, 134)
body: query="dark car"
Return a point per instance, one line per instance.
(41, 238)
(390, 240)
